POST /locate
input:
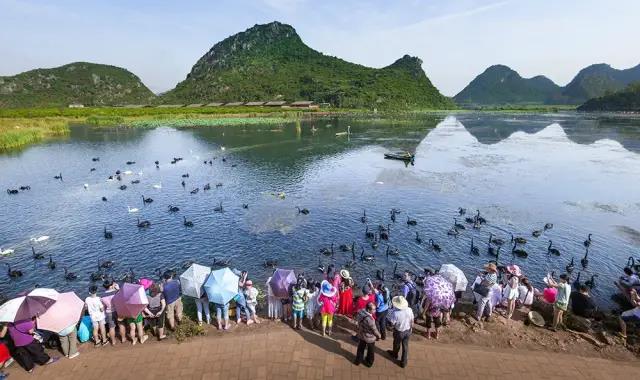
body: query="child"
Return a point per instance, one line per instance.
(299, 299)
(96, 312)
(312, 304)
(327, 301)
(251, 299)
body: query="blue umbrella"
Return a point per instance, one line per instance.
(221, 286)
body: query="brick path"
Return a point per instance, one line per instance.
(277, 351)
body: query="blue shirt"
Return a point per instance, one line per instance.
(382, 306)
(171, 291)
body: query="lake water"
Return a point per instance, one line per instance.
(581, 173)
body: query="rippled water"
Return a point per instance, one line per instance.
(580, 173)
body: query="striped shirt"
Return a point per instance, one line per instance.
(299, 299)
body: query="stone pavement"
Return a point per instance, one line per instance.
(280, 352)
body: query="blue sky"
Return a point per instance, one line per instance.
(160, 40)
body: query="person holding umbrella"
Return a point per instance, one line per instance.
(401, 318)
(28, 351)
(61, 318)
(111, 288)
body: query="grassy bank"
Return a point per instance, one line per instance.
(18, 132)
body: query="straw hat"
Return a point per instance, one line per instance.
(536, 319)
(491, 267)
(327, 289)
(514, 270)
(345, 274)
(399, 302)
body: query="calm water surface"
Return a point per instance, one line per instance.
(581, 173)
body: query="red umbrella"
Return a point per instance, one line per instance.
(130, 300)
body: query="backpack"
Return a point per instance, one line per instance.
(412, 296)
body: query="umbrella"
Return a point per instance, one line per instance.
(455, 276)
(28, 306)
(130, 300)
(221, 286)
(439, 291)
(64, 313)
(280, 282)
(192, 280)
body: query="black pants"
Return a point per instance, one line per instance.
(381, 323)
(32, 353)
(401, 338)
(370, 347)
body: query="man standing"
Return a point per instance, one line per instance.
(171, 291)
(401, 318)
(367, 334)
(411, 294)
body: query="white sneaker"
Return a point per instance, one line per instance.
(8, 362)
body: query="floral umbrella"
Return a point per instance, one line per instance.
(439, 291)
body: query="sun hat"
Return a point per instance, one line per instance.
(535, 318)
(514, 270)
(145, 282)
(248, 283)
(345, 274)
(491, 267)
(399, 302)
(327, 289)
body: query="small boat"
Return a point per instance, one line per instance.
(403, 156)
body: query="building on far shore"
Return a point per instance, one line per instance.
(170, 105)
(254, 104)
(304, 104)
(214, 104)
(234, 104)
(195, 105)
(275, 103)
(76, 105)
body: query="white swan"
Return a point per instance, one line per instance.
(39, 239)
(127, 172)
(86, 185)
(5, 252)
(158, 186)
(223, 148)
(132, 209)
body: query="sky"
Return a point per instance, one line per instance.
(160, 40)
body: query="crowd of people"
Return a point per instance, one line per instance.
(374, 312)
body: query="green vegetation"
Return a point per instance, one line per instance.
(599, 80)
(626, 100)
(79, 82)
(17, 132)
(270, 61)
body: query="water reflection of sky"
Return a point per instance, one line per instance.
(520, 171)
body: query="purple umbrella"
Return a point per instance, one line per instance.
(439, 291)
(130, 300)
(280, 282)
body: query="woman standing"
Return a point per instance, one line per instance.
(155, 311)
(328, 301)
(512, 289)
(274, 305)
(345, 306)
(69, 341)
(367, 335)
(482, 290)
(28, 351)
(383, 298)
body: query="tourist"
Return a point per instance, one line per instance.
(241, 301)
(366, 298)
(433, 318)
(312, 304)
(411, 294)
(328, 303)
(630, 315)
(525, 292)
(222, 315)
(562, 298)
(202, 307)
(511, 290)
(171, 292)
(383, 298)
(401, 318)
(155, 311)
(628, 281)
(5, 359)
(367, 334)
(136, 329)
(96, 312)
(299, 299)
(110, 317)
(69, 341)
(345, 306)
(251, 300)
(27, 350)
(274, 306)
(333, 276)
(482, 289)
(582, 304)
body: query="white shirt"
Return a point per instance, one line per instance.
(95, 308)
(525, 295)
(402, 320)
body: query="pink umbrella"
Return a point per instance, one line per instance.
(130, 300)
(280, 282)
(62, 314)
